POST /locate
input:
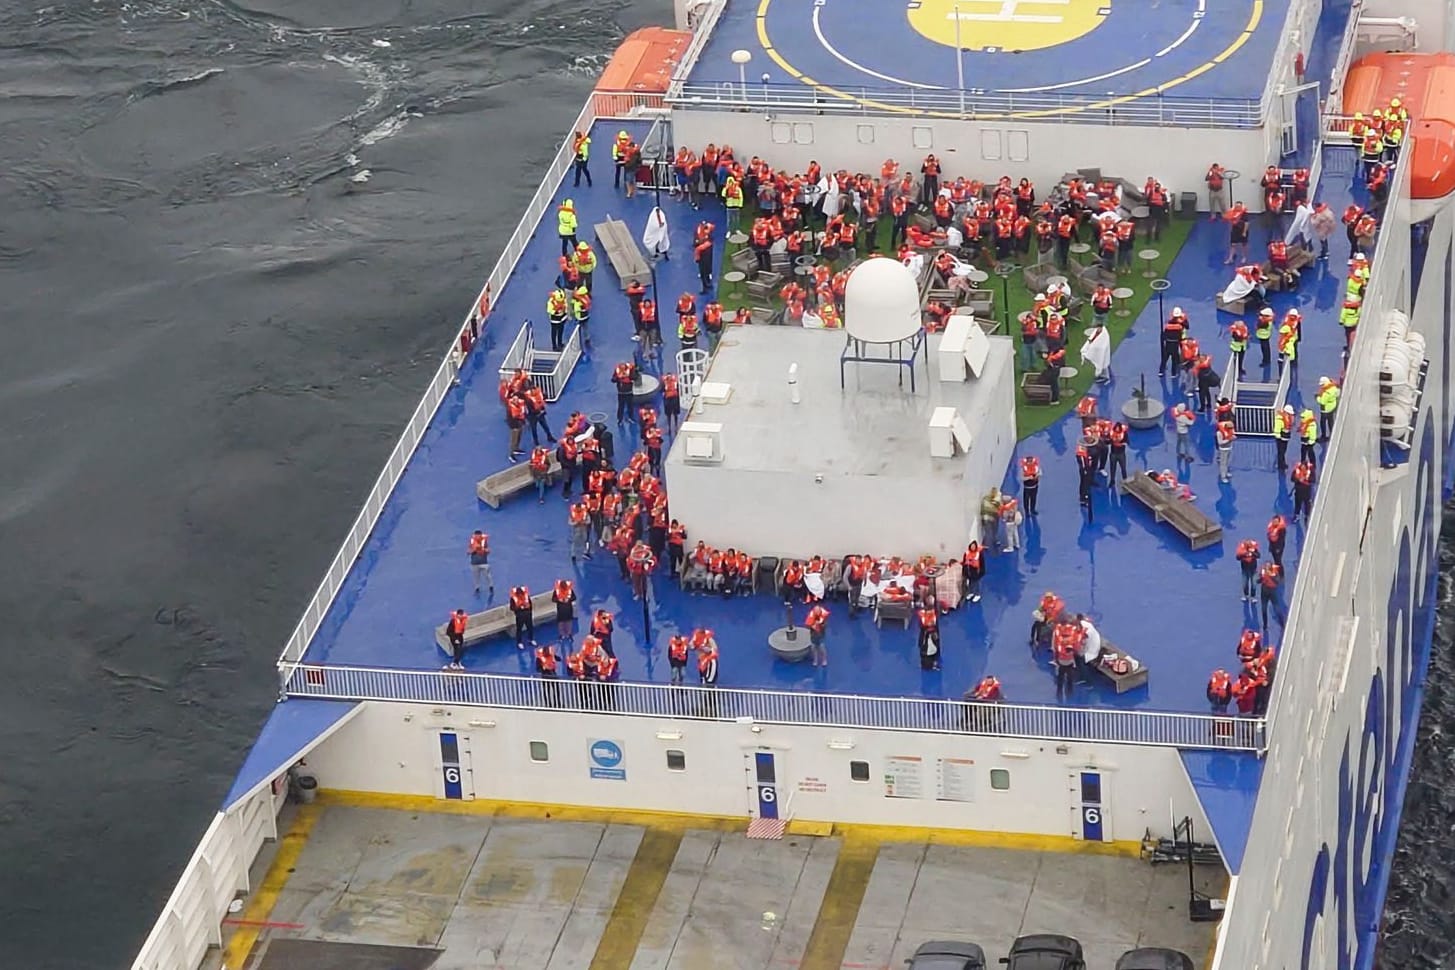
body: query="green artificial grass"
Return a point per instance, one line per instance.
(1030, 418)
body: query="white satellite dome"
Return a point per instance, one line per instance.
(881, 302)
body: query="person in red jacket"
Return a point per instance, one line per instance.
(455, 628)
(817, 623)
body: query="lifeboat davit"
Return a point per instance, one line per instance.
(1425, 86)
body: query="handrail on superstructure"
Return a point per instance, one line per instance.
(1106, 725)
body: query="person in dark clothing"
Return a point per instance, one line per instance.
(1207, 382)
(625, 379)
(524, 612)
(1086, 475)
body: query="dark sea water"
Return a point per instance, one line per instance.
(234, 239)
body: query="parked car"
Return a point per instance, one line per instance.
(947, 955)
(1154, 958)
(1045, 951)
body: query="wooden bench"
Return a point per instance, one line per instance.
(1235, 307)
(623, 253)
(1299, 259)
(1121, 683)
(496, 621)
(517, 478)
(1182, 515)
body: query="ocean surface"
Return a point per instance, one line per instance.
(234, 240)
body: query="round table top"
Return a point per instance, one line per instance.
(802, 270)
(1080, 247)
(737, 237)
(1056, 281)
(1232, 173)
(1023, 316)
(977, 275)
(1161, 285)
(1005, 269)
(734, 276)
(1149, 254)
(806, 260)
(1067, 373)
(1141, 212)
(1122, 293)
(789, 645)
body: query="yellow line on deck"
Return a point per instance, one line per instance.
(636, 899)
(670, 821)
(881, 834)
(840, 908)
(240, 945)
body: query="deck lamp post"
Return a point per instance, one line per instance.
(1005, 271)
(741, 59)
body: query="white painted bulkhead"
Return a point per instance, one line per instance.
(1040, 151)
(822, 774)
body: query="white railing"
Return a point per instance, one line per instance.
(553, 382)
(778, 707)
(701, 32)
(627, 104)
(982, 106)
(191, 921)
(1334, 105)
(1255, 402)
(441, 383)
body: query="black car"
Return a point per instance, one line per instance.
(1154, 958)
(1044, 951)
(947, 955)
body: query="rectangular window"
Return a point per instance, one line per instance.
(450, 748)
(866, 134)
(858, 771)
(1090, 788)
(540, 751)
(767, 772)
(922, 138)
(1000, 779)
(676, 760)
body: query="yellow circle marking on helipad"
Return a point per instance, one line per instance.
(1008, 25)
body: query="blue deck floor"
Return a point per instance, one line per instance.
(1178, 611)
(1185, 48)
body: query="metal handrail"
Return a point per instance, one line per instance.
(1069, 108)
(1334, 105)
(434, 395)
(1108, 725)
(700, 36)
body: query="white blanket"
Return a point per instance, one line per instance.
(656, 237)
(1239, 288)
(1097, 350)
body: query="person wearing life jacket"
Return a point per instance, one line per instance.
(480, 561)
(707, 657)
(687, 330)
(1183, 418)
(540, 471)
(1277, 537)
(581, 157)
(624, 376)
(793, 582)
(1219, 691)
(1224, 434)
(702, 255)
(567, 452)
(1055, 358)
(455, 627)
(603, 624)
(1173, 329)
(579, 519)
(1030, 482)
(1364, 229)
(1288, 346)
(929, 636)
(930, 184)
(1030, 337)
(1065, 235)
(618, 156)
(855, 572)
(640, 562)
(585, 263)
(1250, 644)
(516, 413)
(566, 226)
(1371, 150)
(1308, 435)
(677, 650)
(1349, 320)
(1048, 611)
(1303, 484)
(671, 402)
(1238, 344)
(1066, 639)
(817, 622)
(732, 200)
(524, 612)
(563, 594)
(581, 313)
(547, 664)
(558, 308)
(1328, 401)
(972, 571)
(1270, 592)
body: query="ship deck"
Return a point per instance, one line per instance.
(1081, 50)
(354, 884)
(1176, 610)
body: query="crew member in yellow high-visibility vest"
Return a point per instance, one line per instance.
(566, 226)
(1328, 401)
(581, 154)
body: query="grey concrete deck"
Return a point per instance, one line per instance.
(484, 892)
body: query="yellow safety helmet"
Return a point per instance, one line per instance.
(1394, 102)
(1358, 116)
(1378, 113)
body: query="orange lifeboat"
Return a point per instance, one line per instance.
(1425, 86)
(640, 71)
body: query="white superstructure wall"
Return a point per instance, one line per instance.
(1040, 151)
(830, 774)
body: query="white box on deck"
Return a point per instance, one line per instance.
(963, 345)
